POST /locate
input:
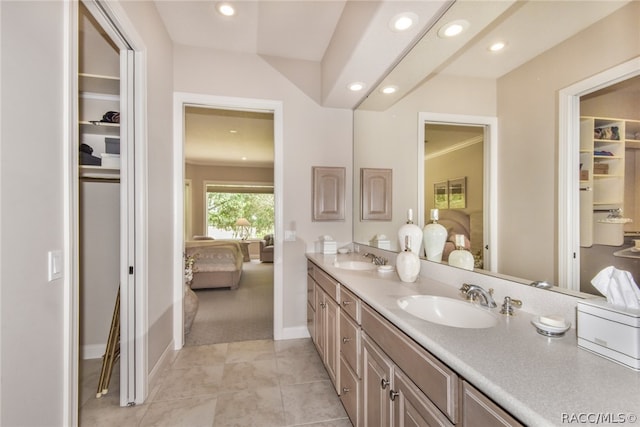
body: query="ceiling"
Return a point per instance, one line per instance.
(350, 40)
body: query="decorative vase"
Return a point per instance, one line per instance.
(413, 232)
(435, 236)
(190, 304)
(408, 263)
(461, 257)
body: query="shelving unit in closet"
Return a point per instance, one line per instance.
(98, 95)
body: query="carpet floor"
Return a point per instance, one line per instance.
(230, 315)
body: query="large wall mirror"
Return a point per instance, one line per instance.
(548, 46)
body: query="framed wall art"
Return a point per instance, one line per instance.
(441, 195)
(458, 193)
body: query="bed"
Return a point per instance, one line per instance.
(218, 263)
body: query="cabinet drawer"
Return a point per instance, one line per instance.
(350, 304)
(436, 380)
(478, 410)
(326, 282)
(311, 291)
(350, 342)
(350, 392)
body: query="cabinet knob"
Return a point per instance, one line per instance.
(345, 390)
(346, 339)
(384, 383)
(346, 303)
(393, 395)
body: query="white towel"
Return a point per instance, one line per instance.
(618, 286)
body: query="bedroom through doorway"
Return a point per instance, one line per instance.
(229, 216)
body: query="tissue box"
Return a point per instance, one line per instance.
(381, 243)
(609, 331)
(327, 247)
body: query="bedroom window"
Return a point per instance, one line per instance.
(224, 208)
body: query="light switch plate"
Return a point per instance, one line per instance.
(54, 265)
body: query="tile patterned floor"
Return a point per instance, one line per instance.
(251, 383)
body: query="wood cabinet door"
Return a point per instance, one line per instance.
(320, 326)
(411, 407)
(328, 193)
(332, 349)
(376, 384)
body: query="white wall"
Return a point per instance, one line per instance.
(31, 196)
(313, 136)
(528, 153)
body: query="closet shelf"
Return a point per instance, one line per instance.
(98, 172)
(100, 128)
(97, 83)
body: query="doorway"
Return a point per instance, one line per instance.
(229, 158)
(186, 100)
(110, 120)
(470, 130)
(569, 180)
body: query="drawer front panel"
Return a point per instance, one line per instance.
(435, 379)
(326, 282)
(350, 342)
(350, 304)
(479, 411)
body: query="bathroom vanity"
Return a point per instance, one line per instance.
(392, 368)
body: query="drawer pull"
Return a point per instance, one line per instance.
(384, 383)
(345, 390)
(345, 340)
(393, 395)
(323, 304)
(346, 303)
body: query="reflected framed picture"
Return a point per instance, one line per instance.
(458, 193)
(441, 195)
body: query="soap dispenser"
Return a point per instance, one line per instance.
(435, 236)
(413, 232)
(408, 263)
(461, 257)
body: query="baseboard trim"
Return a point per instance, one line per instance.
(163, 361)
(293, 333)
(93, 351)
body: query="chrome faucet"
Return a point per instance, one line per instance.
(377, 260)
(477, 293)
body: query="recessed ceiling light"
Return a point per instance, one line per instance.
(356, 86)
(244, 158)
(233, 131)
(454, 28)
(403, 21)
(226, 9)
(497, 46)
(388, 90)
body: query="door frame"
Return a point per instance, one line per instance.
(113, 19)
(569, 162)
(490, 176)
(180, 101)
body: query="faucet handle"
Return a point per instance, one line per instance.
(508, 304)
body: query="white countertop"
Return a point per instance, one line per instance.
(541, 381)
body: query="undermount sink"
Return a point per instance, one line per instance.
(447, 311)
(355, 265)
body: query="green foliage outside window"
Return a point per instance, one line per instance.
(224, 209)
